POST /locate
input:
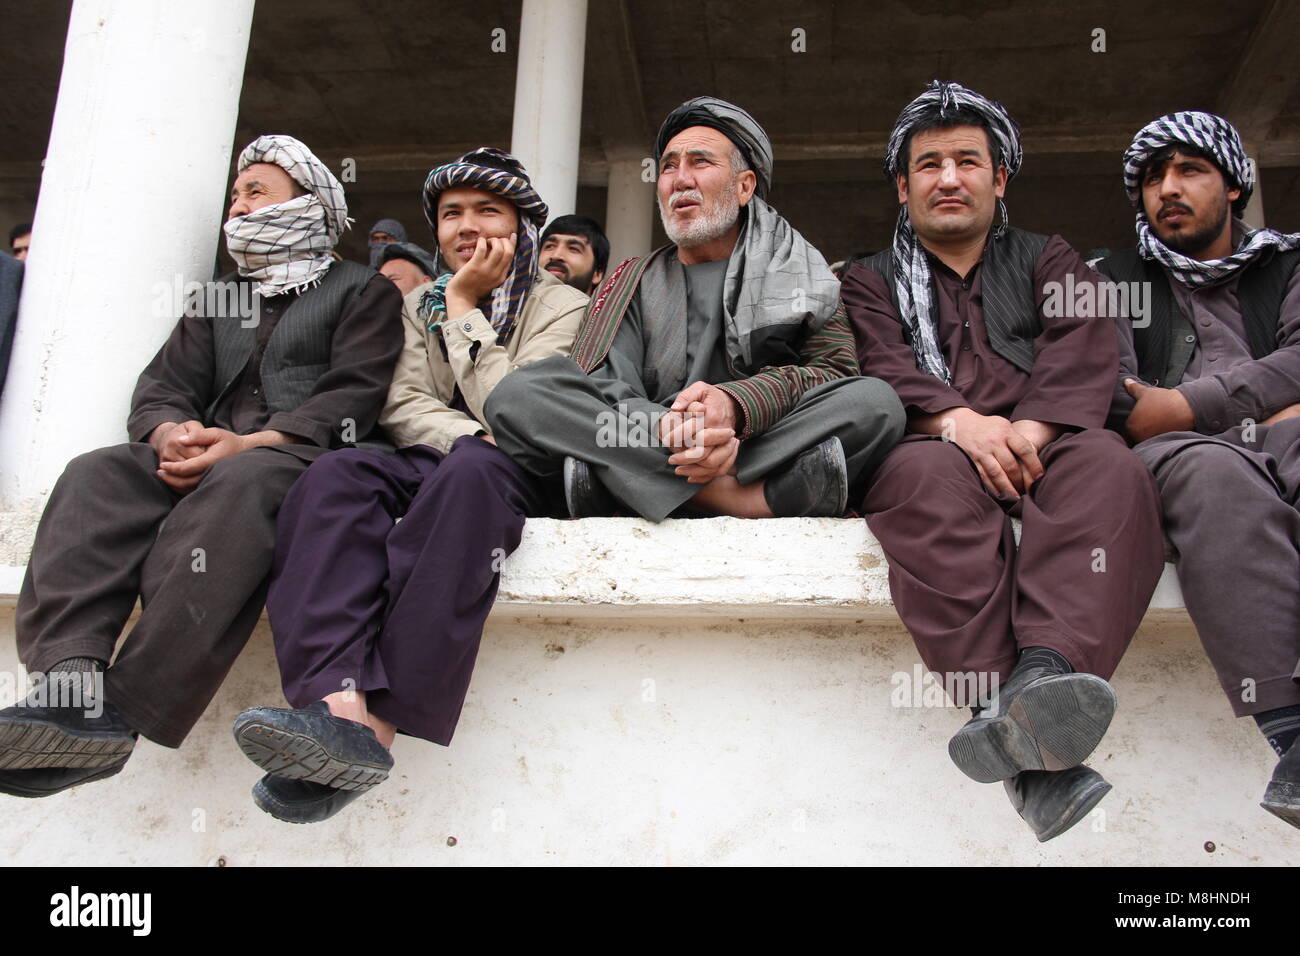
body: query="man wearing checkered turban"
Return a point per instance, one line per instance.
(377, 620)
(266, 370)
(1209, 392)
(1006, 400)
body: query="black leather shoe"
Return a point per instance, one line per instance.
(51, 780)
(1282, 795)
(584, 495)
(1043, 720)
(1053, 801)
(314, 746)
(300, 801)
(816, 485)
(33, 736)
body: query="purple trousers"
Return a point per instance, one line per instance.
(359, 600)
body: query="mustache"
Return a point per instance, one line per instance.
(692, 194)
(557, 262)
(1173, 206)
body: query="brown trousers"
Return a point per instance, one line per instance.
(1231, 511)
(113, 531)
(1091, 552)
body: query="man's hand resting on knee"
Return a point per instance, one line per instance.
(700, 428)
(190, 454)
(1005, 453)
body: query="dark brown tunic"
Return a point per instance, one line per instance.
(1091, 549)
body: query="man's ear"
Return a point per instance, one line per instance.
(1000, 181)
(901, 182)
(746, 184)
(597, 277)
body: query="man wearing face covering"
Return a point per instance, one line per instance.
(714, 375)
(223, 421)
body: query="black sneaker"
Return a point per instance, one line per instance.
(314, 746)
(815, 485)
(1053, 801)
(1044, 720)
(300, 801)
(34, 736)
(1282, 795)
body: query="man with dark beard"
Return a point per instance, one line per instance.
(715, 374)
(576, 251)
(1207, 392)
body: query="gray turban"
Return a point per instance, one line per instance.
(732, 122)
(911, 270)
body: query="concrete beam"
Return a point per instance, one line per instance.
(1264, 78)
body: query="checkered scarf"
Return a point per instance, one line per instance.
(1220, 139)
(286, 246)
(495, 171)
(911, 270)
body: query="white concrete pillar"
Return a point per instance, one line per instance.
(630, 207)
(131, 196)
(548, 98)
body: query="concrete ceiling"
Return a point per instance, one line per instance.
(399, 85)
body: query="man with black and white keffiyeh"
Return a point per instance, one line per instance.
(247, 391)
(1006, 399)
(1209, 392)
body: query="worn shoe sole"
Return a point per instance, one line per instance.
(38, 744)
(1079, 808)
(1053, 724)
(1283, 801)
(301, 757)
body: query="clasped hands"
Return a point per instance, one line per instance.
(186, 451)
(700, 428)
(1005, 453)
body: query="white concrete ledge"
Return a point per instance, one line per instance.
(830, 568)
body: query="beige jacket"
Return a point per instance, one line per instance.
(418, 411)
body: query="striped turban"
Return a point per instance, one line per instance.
(732, 122)
(286, 246)
(940, 102)
(494, 171)
(1218, 138)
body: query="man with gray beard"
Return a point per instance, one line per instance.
(716, 375)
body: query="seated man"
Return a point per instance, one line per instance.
(225, 418)
(576, 251)
(1208, 391)
(714, 372)
(377, 621)
(1005, 401)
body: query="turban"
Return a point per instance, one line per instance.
(911, 270)
(286, 246)
(732, 122)
(390, 226)
(495, 171)
(1220, 139)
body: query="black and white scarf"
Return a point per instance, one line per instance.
(286, 246)
(911, 270)
(1216, 136)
